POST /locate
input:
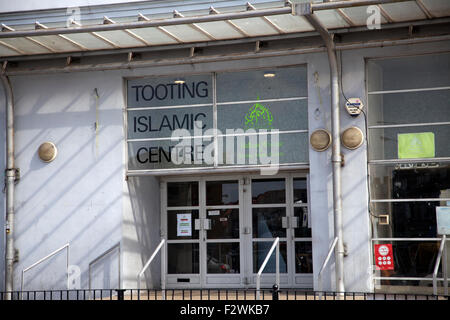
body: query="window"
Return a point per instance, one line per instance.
(409, 159)
(257, 117)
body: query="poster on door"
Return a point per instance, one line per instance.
(384, 258)
(184, 225)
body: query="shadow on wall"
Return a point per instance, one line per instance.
(77, 198)
(145, 206)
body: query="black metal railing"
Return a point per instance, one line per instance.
(207, 294)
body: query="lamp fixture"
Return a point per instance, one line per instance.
(320, 140)
(47, 151)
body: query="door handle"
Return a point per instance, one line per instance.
(284, 222)
(204, 224)
(289, 222)
(294, 222)
(207, 224)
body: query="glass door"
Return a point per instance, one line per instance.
(279, 208)
(301, 233)
(269, 221)
(222, 243)
(201, 223)
(219, 230)
(179, 225)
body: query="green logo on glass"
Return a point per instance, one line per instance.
(258, 117)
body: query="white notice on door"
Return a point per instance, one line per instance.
(184, 225)
(214, 213)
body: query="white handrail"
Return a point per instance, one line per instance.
(45, 258)
(101, 256)
(319, 278)
(276, 244)
(436, 265)
(163, 282)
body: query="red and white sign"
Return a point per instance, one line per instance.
(384, 258)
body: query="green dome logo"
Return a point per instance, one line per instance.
(258, 117)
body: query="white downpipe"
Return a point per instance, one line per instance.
(336, 148)
(10, 177)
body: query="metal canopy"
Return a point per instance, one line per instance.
(182, 28)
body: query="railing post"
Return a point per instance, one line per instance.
(120, 294)
(277, 265)
(275, 292)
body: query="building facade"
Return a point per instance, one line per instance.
(217, 140)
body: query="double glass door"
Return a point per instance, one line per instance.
(220, 229)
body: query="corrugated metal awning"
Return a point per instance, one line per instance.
(185, 28)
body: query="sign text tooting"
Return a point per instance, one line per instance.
(169, 91)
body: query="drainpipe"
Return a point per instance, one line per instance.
(10, 177)
(305, 10)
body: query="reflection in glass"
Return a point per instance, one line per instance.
(183, 258)
(424, 71)
(413, 259)
(395, 108)
(224, 224)
(222, 193)
(300, 191)
(268, 191)
(384, 141)
(410, 181)
(303, 229)
(303, 257)
(173, 224)
(252, 85)
(267, 222)
(223, 258)
(182, 194)
(260, 251)
(414, 219)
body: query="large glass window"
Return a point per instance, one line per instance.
(254, 117)
(409, 160)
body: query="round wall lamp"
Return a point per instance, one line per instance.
(352, 138)
(320, 140)
(47, 151)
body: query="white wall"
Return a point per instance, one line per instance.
(77, 198)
